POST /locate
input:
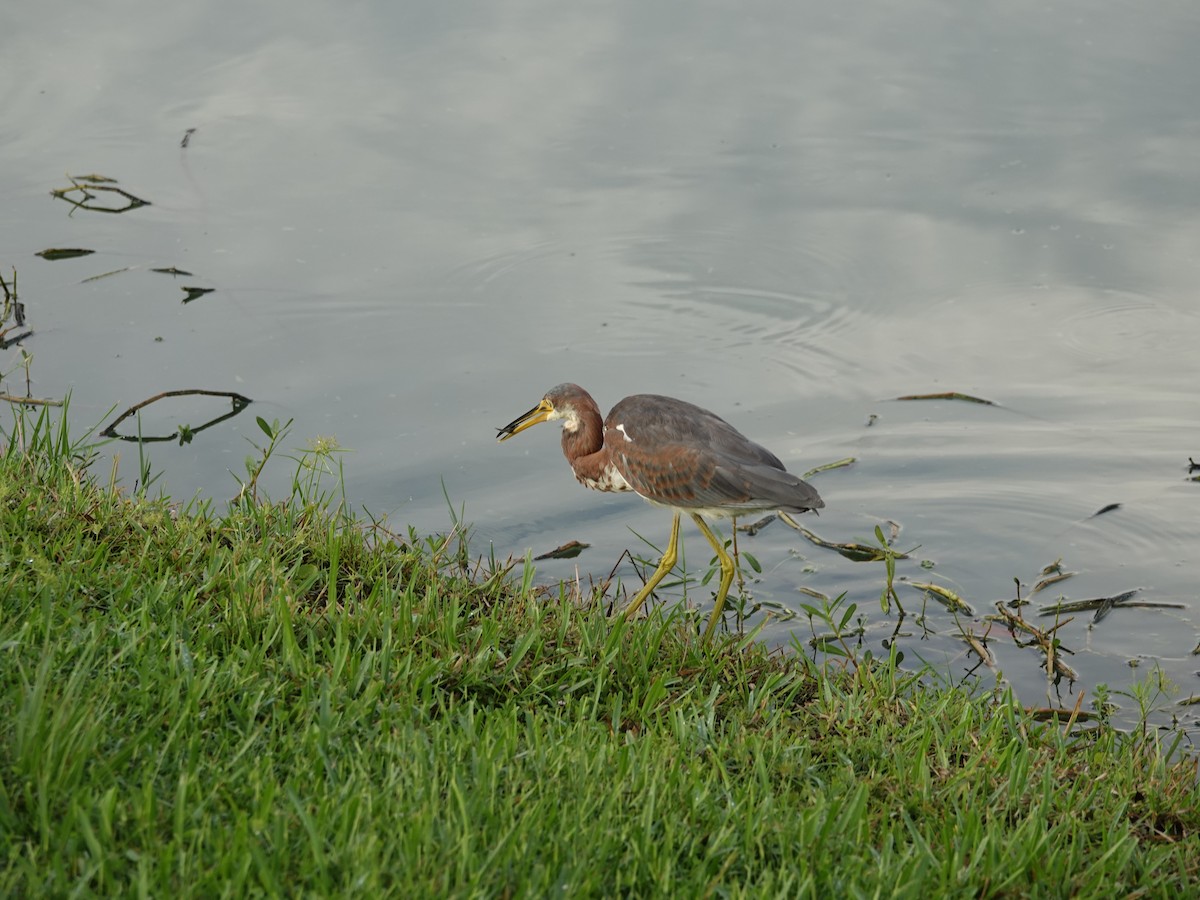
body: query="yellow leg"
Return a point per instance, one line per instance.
(664, 566)
(726, 575)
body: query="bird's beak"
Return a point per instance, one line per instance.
(539, 413)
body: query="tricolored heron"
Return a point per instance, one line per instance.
(672, 454)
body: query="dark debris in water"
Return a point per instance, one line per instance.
(56, 253)
(185, 433)
(106, 274)
(1104, 605)
(569, 550)
(1051, 579)
(1053, 713)
(950, 395)
(1112, 507)
(195, 293)
(12, 309)
(88, 187)
(171, 270)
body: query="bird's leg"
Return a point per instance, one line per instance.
(664, 566)
(726, 574)
(737, 560)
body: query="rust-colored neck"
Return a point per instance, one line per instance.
(584, 446)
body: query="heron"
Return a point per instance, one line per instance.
(674, 454)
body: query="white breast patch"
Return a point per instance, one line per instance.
(610, 480)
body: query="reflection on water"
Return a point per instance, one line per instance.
(787, 214)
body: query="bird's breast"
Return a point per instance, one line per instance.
(604, 479)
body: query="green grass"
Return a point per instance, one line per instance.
(276, 699)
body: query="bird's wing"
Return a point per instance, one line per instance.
(657, 422)
(699, 478)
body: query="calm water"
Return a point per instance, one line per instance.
(417, 218)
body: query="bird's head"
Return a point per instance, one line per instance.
(560, 403)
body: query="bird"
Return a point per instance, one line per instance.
(673, 454)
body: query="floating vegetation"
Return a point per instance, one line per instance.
(949, 395)
(88, 187)
(194, 293)
(1104, 605)
(569, 550)
(171, 270)
(1054, 567)
(1044, 639)
(945, 596)
(13, 311)
(1048, 713)
(852, 551)
(184, 433)
(978, 643)
(56, 253)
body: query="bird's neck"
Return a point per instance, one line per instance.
(585, 438)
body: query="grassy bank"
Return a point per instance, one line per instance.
(270, 699)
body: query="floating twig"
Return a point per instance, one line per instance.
(979, 645)
(1045, 640)
(839, 464)
(106, 274)
(239, 402)
(755, 527)
(1053, 579)
(949, 395)
(1102, 605)
(85, 184)
(29, 401)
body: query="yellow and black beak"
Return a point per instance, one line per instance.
(539, 413)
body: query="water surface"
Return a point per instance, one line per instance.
(415, 219)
